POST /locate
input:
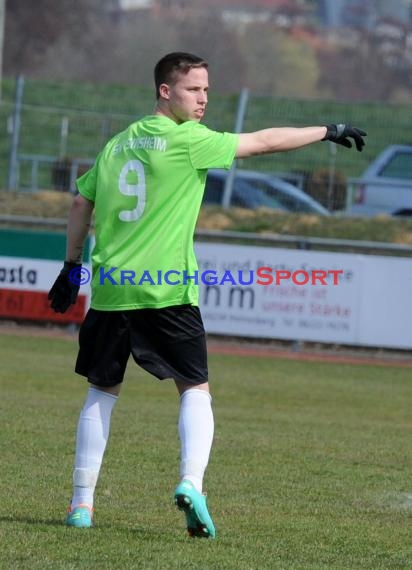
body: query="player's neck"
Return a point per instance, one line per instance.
(164, 112)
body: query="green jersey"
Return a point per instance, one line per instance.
(147, 185)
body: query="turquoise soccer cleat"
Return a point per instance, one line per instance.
(193, 503)
(80, 516)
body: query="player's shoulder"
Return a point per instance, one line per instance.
(196, 126)
(114, 140)
(198, 130)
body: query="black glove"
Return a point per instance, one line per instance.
(341, 134)
(66, 287)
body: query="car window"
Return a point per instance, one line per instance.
(213, 190)
(249, 195)
(254, 193)
(283, 200)
(246, 195)
(399, 167)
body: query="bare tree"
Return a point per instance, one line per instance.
(89, 40)
(277, 64)
(31, 28)
(206, 34)
(363, 71)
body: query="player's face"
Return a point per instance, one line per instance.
(187, 96)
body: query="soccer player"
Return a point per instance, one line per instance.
(146, 189)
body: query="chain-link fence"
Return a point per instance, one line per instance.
(62, 126)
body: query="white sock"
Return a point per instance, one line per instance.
(92, 435)
(196, 428)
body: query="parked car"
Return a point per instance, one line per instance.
(385, 186)
(255, 190)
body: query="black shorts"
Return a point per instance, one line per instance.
(168, 343)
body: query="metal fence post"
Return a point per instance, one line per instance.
(15, 136)
(331, 175)
(64, 135)
(240, 117)
(2, 26)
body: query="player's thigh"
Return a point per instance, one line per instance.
(171, 343)
(104, 347)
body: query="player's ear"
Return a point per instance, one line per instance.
(164, 91)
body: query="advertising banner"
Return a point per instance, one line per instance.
(304, 295)
(385, 308)
(274, 305)
(249, 291)
(29, 264)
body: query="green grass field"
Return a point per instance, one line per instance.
(311, 467)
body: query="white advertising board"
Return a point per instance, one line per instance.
(385, 308)
(31, 274)
(346, 307)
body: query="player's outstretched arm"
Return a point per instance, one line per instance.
(280, 139)
(65, 289)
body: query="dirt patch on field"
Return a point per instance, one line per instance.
(53, 204)
(311, 354)
(45, 204)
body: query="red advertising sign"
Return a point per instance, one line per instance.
(34, 305)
